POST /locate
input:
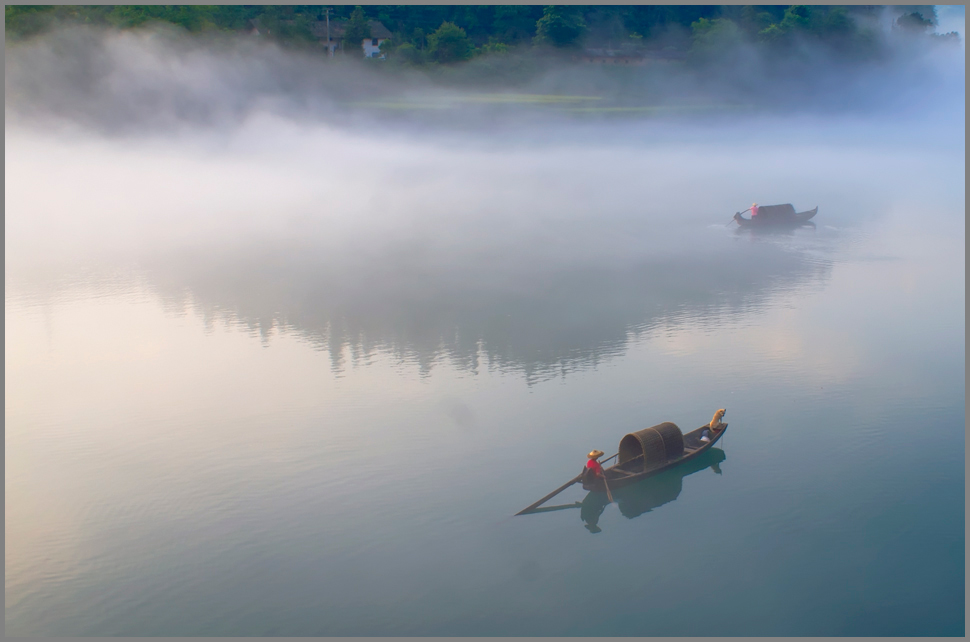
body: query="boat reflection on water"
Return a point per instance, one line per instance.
(807, 227)
(651, 493)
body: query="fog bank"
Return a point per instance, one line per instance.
(162, 80)
(122, 146)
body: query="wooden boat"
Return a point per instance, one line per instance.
(651, 451)
(776, 216)
(643, 454)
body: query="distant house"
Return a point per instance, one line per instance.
(370, 47)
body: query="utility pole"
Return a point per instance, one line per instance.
(329, 48)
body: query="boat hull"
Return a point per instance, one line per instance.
(619, 475)
(777, 221)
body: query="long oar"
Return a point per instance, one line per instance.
(552, 494)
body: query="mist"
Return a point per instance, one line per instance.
(475, 186)
(164, 80)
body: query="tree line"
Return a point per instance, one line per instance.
(429, 34)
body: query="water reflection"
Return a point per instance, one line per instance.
(541, 315)
(640, 498)
(539, 318)
(807, 227)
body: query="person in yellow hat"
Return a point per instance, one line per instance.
(593, 467)
(754, 210)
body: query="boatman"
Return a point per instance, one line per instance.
(593, 467)
(754, 210)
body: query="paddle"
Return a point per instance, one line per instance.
(549, 509)
(552, 494)
(608, 493)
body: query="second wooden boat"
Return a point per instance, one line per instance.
(776, 216)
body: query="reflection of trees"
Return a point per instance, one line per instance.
(653, 492)
(541, 321)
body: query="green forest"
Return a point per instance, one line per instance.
(448, 34)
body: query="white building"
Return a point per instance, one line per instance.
(370, 47)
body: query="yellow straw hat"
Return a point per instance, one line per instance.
(596, 454)
(754, 205)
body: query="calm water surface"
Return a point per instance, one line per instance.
(318, 431)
